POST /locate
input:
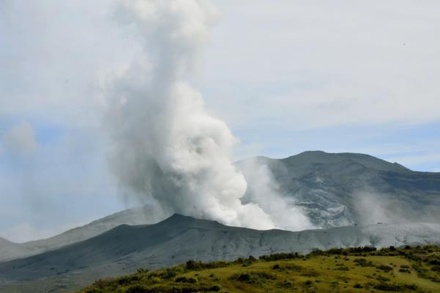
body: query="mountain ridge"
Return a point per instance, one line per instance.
(134, 216)
(333, 189)
(339, 189)
(179, 238)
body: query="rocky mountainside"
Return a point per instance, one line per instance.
(348, 189)
(333, 190)
(178, 239)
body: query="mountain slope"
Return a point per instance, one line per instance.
(346, 189)
(137, 216)
(332, 189)
(179, 238)
(11, 250)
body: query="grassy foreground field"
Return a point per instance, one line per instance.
(408, 269)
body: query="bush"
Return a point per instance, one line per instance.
(136, 289)
(186, 280)
(434, 262)
(395, 287)
(286, 284)
(193, 265)
(384, 268)
(388, 287)
(168, 274)
(216, 288)
(279, 256)
(435, 268)
(253, 277)
(363, 262)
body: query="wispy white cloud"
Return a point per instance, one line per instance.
(20, 139)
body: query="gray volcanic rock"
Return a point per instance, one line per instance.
(179, 238)
(346, 189)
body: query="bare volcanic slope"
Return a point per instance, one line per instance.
(347, 189)
(137, 216)
(333, 190)
(11, 250)
(179, 238)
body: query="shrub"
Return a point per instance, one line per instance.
(384, 268)
(253, 277)
(435, 268)
(186, 280)
(434, 262)
(287, 267)
(286, 284)
(246, 278)
(388, 287)
(395, 287)
(168, 274)
(142, 271)
(216, 288)
(363, 262)
(279, 256)
(193, 265)
(136, 289)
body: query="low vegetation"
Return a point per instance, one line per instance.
(362, 269)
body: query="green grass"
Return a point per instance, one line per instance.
(409, 269)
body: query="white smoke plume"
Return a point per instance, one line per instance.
(165, 145)
(264, 190)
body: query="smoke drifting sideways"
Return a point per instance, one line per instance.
(165, 146)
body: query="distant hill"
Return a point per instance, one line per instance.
(137, 216)
(347, 189)
(11, 250)
(179, 238)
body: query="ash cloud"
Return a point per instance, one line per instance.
(264, 190)
(165, 146)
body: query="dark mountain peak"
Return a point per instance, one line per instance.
(321, 157)
(178, 220)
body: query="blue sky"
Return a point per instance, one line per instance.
(287, 76)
